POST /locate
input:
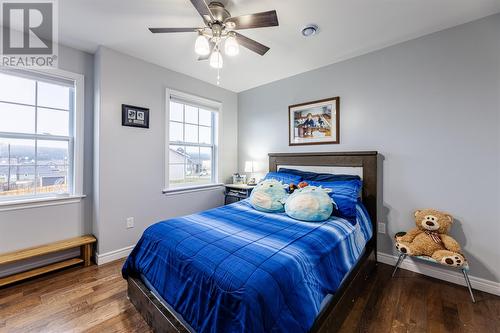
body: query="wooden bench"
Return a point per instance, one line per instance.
(84, 242)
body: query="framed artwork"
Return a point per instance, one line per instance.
(135, 116)
(314, 123)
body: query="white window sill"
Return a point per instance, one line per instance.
(190, 189)
(39, 202)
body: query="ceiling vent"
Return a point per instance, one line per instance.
(310, 30)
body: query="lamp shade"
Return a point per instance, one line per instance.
(249, 166)
(231, 47)
(201, 46)
(216, 59)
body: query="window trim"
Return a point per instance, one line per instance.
(77, 138)
(39, 201)
(198, 101)
(194, 188)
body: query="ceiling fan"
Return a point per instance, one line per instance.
(220, 27)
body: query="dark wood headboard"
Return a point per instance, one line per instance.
(364, 159)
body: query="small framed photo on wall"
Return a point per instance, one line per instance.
(135, 116)
(314, 123)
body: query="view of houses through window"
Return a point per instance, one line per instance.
(191, 146)
(35, 136)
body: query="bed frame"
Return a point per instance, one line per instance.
(330, 319)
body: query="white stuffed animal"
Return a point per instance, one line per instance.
(269, 196)
(309, 203)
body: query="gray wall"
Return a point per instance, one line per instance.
(35, 226)
(431, 107)
(129, 162)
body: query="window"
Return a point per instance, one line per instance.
(37, 135)
(191, 153)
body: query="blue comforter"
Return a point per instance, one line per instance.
(235, 269)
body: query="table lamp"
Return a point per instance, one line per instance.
(249, 168)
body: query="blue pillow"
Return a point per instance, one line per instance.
(284, 177)
(345, 194)
(319, 177)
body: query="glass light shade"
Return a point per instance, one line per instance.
(216, 59)
(231, 46)
(201, 46)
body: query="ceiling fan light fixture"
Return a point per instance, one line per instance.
(216, 59)
(201, 46)
(219, 28)
(231, 46)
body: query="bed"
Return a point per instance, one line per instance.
(233, 268)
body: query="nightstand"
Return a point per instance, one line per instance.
(237, 192)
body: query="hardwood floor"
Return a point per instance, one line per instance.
(93, 299)
(90, 299)
(411, 302)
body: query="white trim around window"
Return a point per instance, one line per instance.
(78, 147)
(201, 102)
(37, 202)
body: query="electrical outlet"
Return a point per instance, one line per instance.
(130, 222)
(381, 228)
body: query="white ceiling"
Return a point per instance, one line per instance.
(348, 28)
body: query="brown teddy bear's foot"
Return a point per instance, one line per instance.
(403, 248)
(449, 258)
(456, 260)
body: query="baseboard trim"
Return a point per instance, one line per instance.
(432, 270)
(113, 255)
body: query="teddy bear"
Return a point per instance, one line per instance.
(430, 238)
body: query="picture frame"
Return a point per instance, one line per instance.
(135, 116)
(314, 123)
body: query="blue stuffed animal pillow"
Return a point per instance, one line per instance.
(310, 204)
(269, 196)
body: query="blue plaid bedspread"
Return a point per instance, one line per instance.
(235, 269)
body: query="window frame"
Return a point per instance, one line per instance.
(75, 139)
(200, 102)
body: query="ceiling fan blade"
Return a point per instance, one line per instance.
(202, 8)
(258, 20)
(167, 30)
(251, 44)
(205, 57)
